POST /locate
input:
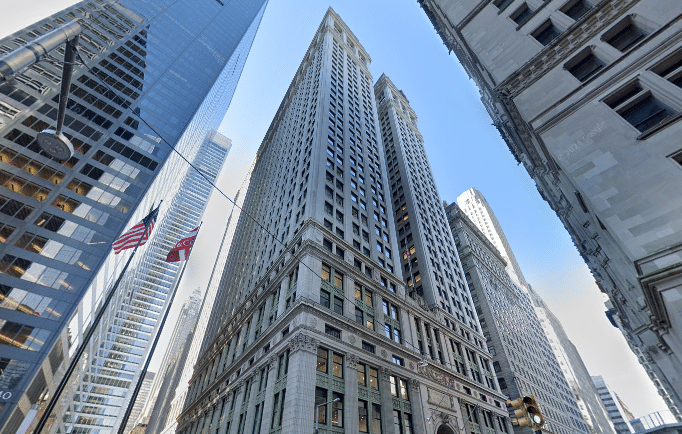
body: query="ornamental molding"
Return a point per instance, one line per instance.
(271, 363)
(303, 342)
(575, 38)
(351, 360)
(385, 373)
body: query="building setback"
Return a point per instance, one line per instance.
(587, 96)
(59, 218)
(305, 299)
(523, 359)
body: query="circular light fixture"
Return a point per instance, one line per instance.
(55, 145)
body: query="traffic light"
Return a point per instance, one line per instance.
(526, 412)
(534, 414)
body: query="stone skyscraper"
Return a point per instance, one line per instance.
(587, 95)
(311, 320)
(523, 359)
(157, 71)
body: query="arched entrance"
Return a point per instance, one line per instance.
(444, 429)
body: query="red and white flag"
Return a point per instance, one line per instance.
(138, 233)
(182, 249)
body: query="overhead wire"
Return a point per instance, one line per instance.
(233, 202)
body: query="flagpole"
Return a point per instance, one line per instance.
(138, 385)
(86, 339)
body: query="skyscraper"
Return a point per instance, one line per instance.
(311, 321)
(168, 376)
(523, 358)
(619, 414)
(164, 419)
(591, 407)
(587, 96)
(117, 352)
(138, 406)
(147, 81)
(473, 203)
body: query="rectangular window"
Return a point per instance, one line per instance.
(624, 35)
(522, 14)
(337, 368)
(321, 398)
(585, 66)
(368, 347)
(322, 359)
(576, 8)
(325, 298)
(332, 331)
(546, 32)
(337, 410)
(639, 107)
(338, 305)
(363, 422)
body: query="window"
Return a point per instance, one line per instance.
(624, 35)
(585, 65)
(671, 69)
(331, 331)
(362, 377)
(322, 359)
(362, 416)
(337, 410)
(502, 4)
(338, 305)
(398, 360)
(321, 398)
(368, 347)
(576, 8)
(546, 32)
(639, 107)
(522, 14)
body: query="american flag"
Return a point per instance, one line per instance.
(138, 233)
(182, 249)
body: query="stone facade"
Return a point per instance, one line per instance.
(522, 355)
(587, 96)
(301, 311)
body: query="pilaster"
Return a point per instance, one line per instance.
(418, 416)
(350, 407)
(269, 395)
(386, 401)
(300, 397)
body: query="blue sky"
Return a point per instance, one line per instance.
(463, 147)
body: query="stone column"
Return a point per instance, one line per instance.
(282, 297)
(386, 401)
(269, 395)
(251, 406)
(239, 389)
(208, 414)
(418, 416)
(225, 412)
(407, 327)
(350, 407)
(299, 402)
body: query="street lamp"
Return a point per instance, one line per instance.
(320, 405)
(53, 142)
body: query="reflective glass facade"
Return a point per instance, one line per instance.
(121, 344)
(173, 64)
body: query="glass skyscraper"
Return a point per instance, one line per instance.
(100, 390)
(157, 71)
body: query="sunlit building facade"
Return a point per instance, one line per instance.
(587, 95)
(311, 319)
(148, 82)
(523, 359)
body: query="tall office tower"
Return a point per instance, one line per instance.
(523, 358)
(182, 331)
(591, 407)
(173, 65)
(474, 205)
(586, 94)
(165, 414)
(310, 323)
(138, 406)
(120, 346)
(619, 414)
(430, 264)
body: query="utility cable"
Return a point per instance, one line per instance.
(213, 184)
